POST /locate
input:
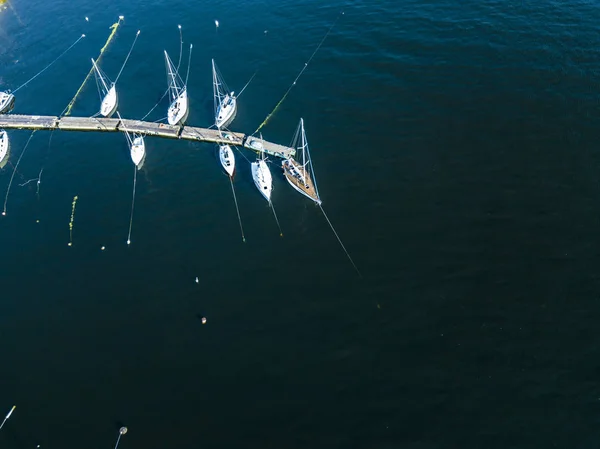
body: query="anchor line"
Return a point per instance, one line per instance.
(15, 170)
(132, 204)
(340, 242)
(48, 66)
(237, 209)
(247, 84)
(276, 219)
(266, 120)
(180, 47)
(127, 58)
(189, 62)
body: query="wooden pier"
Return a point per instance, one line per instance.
(42, 122)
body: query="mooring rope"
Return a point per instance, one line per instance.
(299, 75)
(48, 66)
(15, 170)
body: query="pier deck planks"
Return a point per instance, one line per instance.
(68, 123)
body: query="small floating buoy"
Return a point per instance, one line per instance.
(128, 242)
(123, 430)
(217, 23)
(103, 248)
(70, 244)
(196, 279)
(203, 320)
(86, 19)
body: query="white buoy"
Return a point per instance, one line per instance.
(86, 19)
(217, 23)
(196, 279)
(103, 248)
(203, 320)
(122, 431)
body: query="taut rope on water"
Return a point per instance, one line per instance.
(48, 66)
(132, 204)
(14, 171)
(237, 209)
(340, 242)
(299, 75)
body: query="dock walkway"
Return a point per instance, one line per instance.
(45, 122)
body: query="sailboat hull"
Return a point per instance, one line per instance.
(109, 102)
(7, 102)
(227, 159)
(178, 110)
(138, 151)
(262, 178)
(4, 148)
(226, 113)
(294, 175)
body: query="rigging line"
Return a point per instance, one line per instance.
(14, 171)
(340, 242)
(237, 209)
(299, 75)
(244, 88)
(132, 204)
(188, 69)
(127, 58)
(276, 219)
(114, 27)
(48, 66)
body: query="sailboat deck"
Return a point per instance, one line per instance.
(39, 122)
(304, 186)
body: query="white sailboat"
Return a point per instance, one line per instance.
(7, 102)
(262, 177)
(178, 110)
(224, 100)
(138, 150)
(4, 147)
(109, 92)
(227, 159)
(300, 174)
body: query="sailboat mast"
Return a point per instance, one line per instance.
(303, 143)
(216, 97)
(173, 88)
(100, 76)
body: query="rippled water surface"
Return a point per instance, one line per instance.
(456, 150)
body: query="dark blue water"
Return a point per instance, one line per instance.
(456, 150)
